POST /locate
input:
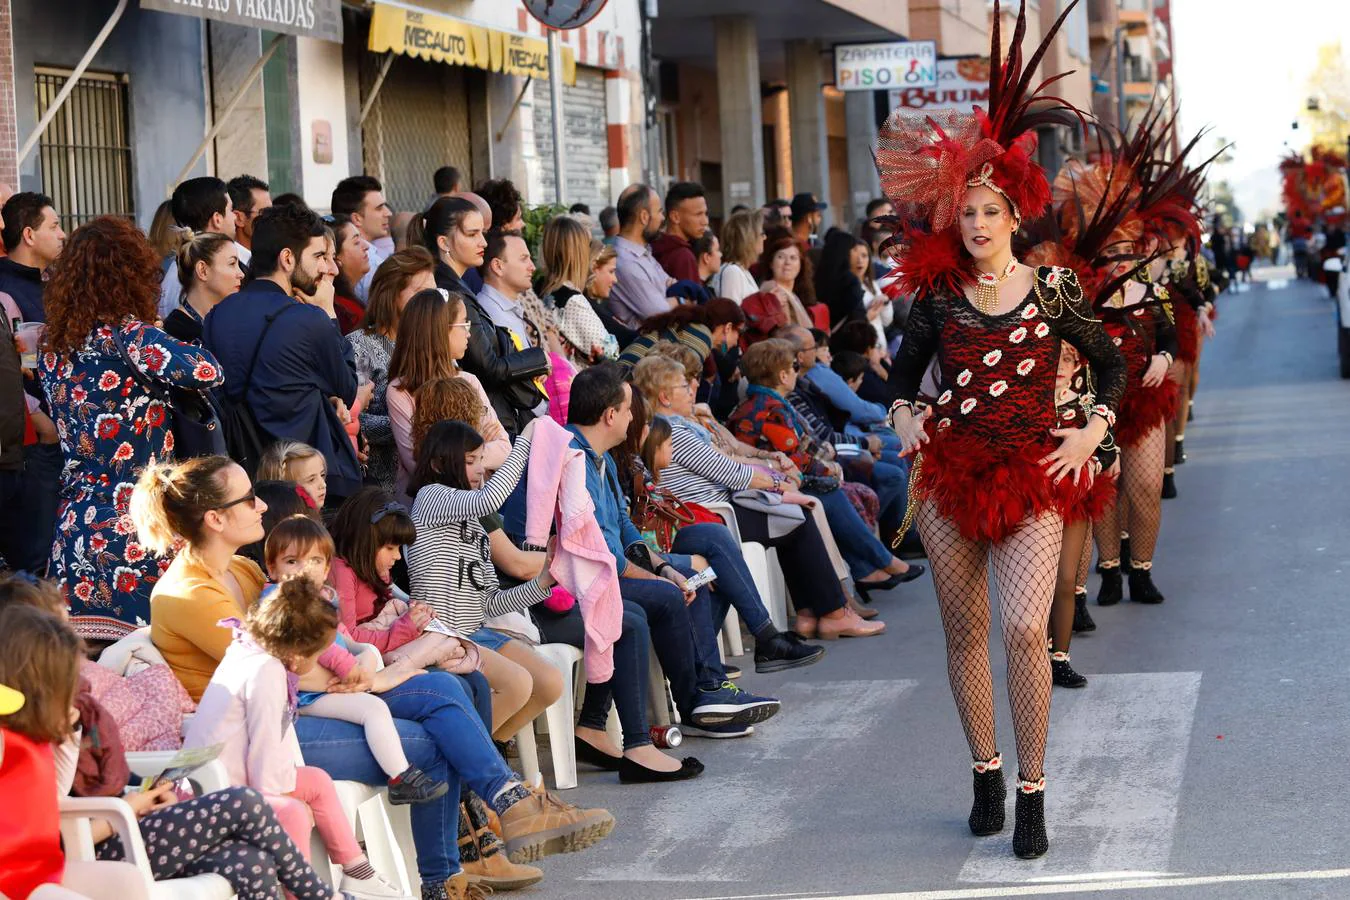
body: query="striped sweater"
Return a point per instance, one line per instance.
(451, 561)
(699, 472)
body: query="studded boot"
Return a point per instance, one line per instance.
(986, 814)
(1029, 838)
(1142, 588)
(1169, 488)
(1062, 673)
(1111, 590)
(1082, 619)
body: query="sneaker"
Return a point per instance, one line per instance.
(376, 887)
(785, 651)
(717, 732)
(541, 825)
(729, 705)
(415, 786)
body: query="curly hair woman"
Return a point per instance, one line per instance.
(101, 356)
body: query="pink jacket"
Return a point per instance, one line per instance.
(356, 605)
(582, 562)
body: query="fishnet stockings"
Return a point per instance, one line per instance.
(1025, 566)
(1141, 473)
(1084, 557)
(1070, 564)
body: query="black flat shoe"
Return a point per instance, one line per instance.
(1142, 588)
(986, 813)
(1029, 838)
(636, 773)
(1169, 488)
(865, 589)
(596, 757)
(914, 572)
(1082, 620)
(1111, 589)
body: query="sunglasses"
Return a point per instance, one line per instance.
(250, 498)
(387, 509)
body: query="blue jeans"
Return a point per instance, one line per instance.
(627, 687)
(734, 586)
(859, 547)
(891, 482)
(443, 736)
(680, 646)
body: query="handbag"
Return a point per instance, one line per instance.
(659, 512)
(193, 419)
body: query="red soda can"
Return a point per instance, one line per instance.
(666, 736)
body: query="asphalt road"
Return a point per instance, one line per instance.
(1204, 759)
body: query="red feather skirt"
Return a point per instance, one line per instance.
(1188, 332)
(1144, 409)
(988, 491)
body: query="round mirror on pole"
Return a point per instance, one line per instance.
(564, 14)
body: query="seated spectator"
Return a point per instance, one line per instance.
(742, 243)
(838, 285)
(435, 337)
(647, 452)
(454, 234)
(203, 206)
(861, 416)
(396, 282)
(850, 366)
(100, 305)
(297, 462)
(686, 220)
(235, 833)
(296, 377)
(506, 204)
(700, 328)
(282, 500)
(782, 261)
(566, 253)
(208, 271)
(351, 252)
(360, 200)
(600, 284)
(766, 420)
(640, 290)
(865, 342)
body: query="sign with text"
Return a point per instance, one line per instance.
(962, 84)
(306, 18)
(880, 67)
(459, 43)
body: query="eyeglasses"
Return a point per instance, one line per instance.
(387, 509)
(250, 498)
(466, 325)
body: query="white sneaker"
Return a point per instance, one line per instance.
(376, 888)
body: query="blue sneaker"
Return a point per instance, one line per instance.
(717, 731)
(729, 705)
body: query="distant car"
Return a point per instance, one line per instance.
(1334, 268)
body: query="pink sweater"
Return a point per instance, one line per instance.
(356, 606)
(401, 407)
(582, 562)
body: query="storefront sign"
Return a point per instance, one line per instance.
(879, 67)
(458, 43)
(962, 84)
(305, 18)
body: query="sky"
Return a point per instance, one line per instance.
(1241, 66)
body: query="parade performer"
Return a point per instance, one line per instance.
(994, 471)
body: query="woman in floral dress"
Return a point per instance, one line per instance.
(110, 425)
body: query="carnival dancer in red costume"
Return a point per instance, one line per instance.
(1193, 294)
(994, 471)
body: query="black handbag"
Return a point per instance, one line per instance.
(193, 418)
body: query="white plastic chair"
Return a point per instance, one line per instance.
(559, 722)
(764, 571)
(77, 835)
(369, 814)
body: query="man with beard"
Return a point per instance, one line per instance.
(279, 343)
(640, 291)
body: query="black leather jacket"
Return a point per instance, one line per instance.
(507, 374)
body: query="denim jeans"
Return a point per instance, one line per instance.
(627, 687)
(859, 547)
(803, 558)
(891, 482)
(686, 665)
(734, 586)
(442, 735)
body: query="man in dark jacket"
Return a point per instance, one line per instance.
(302, 379)
(33, 239)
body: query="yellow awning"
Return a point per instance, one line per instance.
(458, 43)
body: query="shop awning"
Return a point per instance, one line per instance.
(449, 40)
(311, 18)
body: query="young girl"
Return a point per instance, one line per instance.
(231, 833)
(249, 708)
(299, 547)
(451, 566)
(298, 462)
(369, 531)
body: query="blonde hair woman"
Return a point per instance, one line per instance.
(742, 242)
(566, 253)
(207, 266)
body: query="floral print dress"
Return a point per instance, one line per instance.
(110, 428)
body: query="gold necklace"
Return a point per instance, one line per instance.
(986, 287)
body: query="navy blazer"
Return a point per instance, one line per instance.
(303, 362)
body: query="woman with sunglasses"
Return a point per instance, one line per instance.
(206, 510)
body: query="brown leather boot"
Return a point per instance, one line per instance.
(541, 825)
(483, 856)
(459, 887)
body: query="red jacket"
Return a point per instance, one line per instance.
(676, 257)
(30, 822)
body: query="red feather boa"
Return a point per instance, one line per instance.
(1144, 409)
(1188, 332)
(932, 263)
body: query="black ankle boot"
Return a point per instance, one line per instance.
(1063, 674)
(1111, 589)
(1124, 546)
(1142, 589)
(1179, 456)
(1169, 489)
(1082, 620)
(986, 813)
(1029, 838)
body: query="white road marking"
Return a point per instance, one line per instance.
(756, 802)
(1044, 890)
(1113, 767)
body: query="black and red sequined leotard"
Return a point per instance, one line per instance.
(1141, 330)
(992, 419)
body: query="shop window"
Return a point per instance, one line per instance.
(85, 153)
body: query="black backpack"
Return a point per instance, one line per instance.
(245, 439)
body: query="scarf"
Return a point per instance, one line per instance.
(789, 413)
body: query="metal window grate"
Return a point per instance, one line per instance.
(85, 152)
